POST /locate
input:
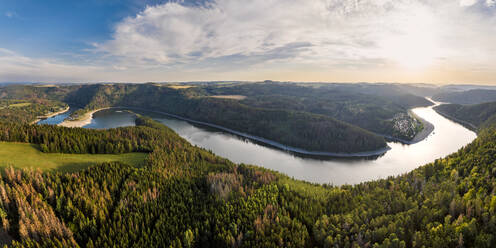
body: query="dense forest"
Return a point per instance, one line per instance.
(185, 196)
(467, 97)
(294, 128)
(336, 118)
(24, 111)
(373, 107)
(359, 106)
(473, 116)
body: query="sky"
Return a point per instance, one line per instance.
(411, 41)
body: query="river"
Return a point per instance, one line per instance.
(446, 138)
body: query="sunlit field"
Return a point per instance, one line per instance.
(21, 155)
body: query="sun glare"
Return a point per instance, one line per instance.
(414, 44)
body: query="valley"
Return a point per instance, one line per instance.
(317, 168)
(247, 124)
(71, 186)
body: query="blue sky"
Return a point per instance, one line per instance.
(436, 41)
(56, 28)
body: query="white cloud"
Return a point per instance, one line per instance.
(334, 32)
(466, 3)
(172, 33)
(367, 40)
(490, 3)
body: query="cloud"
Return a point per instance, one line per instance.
(317, 40)
(466, 3)
(176, 34)
(334, 32)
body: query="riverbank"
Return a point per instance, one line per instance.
(268, 142)
(315, 169)
(82, 121)
(39, 118)
(426, 131)
(428, 128)
(466, 124)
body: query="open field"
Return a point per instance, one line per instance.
(23, 155)
(180, 87)
(15, 105)
(232, 97)
(18, 105)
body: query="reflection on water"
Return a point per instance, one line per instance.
(111, 118)
(56, 119)
(446, 138)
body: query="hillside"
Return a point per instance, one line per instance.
(342, 110)
(473, 116)
(374, 107)
(468, 97)
(185, 196)
(294, 128)
(25, 111)
(22, 155)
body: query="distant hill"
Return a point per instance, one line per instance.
(293, 128)
(465, 87)
(343, 118)
(473, 116)
(474, 96)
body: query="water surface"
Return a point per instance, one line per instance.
(446, 138)
(54, 120)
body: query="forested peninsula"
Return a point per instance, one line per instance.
(475, 117)
(332, 119)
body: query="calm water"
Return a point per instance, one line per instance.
(57, 119)
(446, 138)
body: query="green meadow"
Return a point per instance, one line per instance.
(22, 155)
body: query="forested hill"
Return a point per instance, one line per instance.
(474, 116)
(25, 111)
(309, 131)
(374, 107)
(185, 196)
(468, 97)
(339, 118)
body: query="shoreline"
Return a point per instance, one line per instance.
(83, 121)
(268, 142)
(420, 136)
(466, 124)
(428, 129)
(39, 118)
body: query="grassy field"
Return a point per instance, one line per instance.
(22, 155)
(18, 105)
(180, 87)
(232, 97)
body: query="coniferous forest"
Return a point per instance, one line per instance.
(240, 124)
(185, 196)
(355, 119)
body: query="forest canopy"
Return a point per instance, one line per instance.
(335, 118)
(185, 196)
